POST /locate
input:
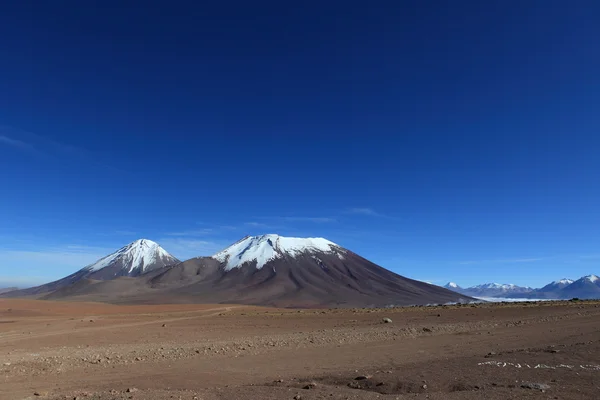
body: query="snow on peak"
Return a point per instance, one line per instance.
(564, 281)
(591, 278)
(452, 284)
(139, 254)
(265, 248)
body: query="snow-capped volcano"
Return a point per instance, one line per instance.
(137, 257)
(591, 278)
(265, 248)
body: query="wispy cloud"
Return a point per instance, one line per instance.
(317, 220)
(254, 224)
(125, 233)
(193, 232)
(47, 264)
(15, 143)
(363, 211)
(502, 261)
(186, 248)
(283, 219)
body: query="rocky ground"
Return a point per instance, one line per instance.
(60, 350)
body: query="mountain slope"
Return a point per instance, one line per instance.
(132, 260)
(8, 289)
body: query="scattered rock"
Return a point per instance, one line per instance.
(7, 364)
(490, 354)
(424, 387)
(297, 397)
(131, 390)
(426, 330)
(362, 377)
(164, 325)
(311, 385)
(535, 386)
(387, 321)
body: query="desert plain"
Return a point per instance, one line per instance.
(86, 351)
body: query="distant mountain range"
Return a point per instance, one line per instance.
(587, 287)
(267, 270)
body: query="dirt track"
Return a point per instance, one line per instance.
(65, 350)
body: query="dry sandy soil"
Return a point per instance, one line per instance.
(61, 350)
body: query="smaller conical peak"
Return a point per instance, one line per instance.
(591, 278)
(452, 285)
(141, 254)
(264, 248)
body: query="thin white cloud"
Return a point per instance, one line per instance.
(47, 264)
(317, 220)
(14, 142)
(193, 232)
(125, 233)
(186, 248)
(256, 224)
(363, 211)
(502, 261)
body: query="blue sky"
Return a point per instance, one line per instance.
(444, 141)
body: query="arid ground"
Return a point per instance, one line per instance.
(68, 350)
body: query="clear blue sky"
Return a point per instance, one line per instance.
(443, 140)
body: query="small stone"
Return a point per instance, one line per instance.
(7, 364)
(297, 397)
(310, 386)
(535, 386)
(424, 387)
(164, 325)
(362, 377)
(490, 354)
(387, 321)
(131, 390)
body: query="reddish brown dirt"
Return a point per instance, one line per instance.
(63, 350)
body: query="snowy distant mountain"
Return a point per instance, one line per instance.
(587, 287)
(490, 290)
(452, 286)
(496, 290)
(556, 286)
(133, 260)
